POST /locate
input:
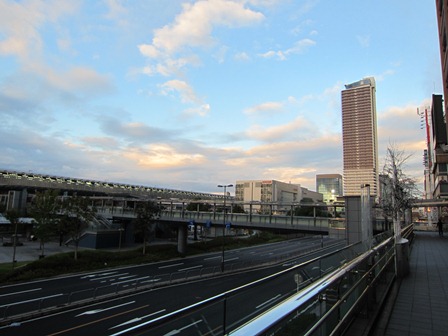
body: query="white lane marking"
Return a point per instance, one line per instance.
(177, 331)
(127, 277)
(96, 311)
(31, 300)
(137, 319)
(268, 301)
(189, 268)
(97, 275)
(172, 265)
(151, 280)
(230, 259)
(218, 257)
(21, 292)
(108, 277)
(125, 281)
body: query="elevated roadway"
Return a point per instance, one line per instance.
(13, 180)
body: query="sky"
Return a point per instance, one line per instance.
(191, 94)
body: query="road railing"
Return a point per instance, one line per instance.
(329, 305)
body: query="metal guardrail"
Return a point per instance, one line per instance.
(328, 306)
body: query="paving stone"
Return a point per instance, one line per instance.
(421, 307)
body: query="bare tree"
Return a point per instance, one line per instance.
(399, 189)
(78, 214)
(147, 213)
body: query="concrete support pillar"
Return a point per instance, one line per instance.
(195, 231)
(402, 258)
(366, 216)
(182, 239)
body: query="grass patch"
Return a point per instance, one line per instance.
(90, 260)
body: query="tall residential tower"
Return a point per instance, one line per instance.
(359, 137)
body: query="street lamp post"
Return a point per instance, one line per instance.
(119, 240)
(225, 186)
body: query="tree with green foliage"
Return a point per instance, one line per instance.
(237, 208)
(78, 213)
(44, 209)
(198, 206)
(308, 209)
(147, 213)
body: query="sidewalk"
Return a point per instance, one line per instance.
(30, 251)
(421, 307)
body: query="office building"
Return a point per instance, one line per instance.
(437, 158)
(330, 186)
(271, 195)
(442, 16)
(359, 137)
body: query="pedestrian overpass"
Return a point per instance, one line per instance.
(222, 223)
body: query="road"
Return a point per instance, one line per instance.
(121, 312)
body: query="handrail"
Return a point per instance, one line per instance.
(264, 322)
(270, 320)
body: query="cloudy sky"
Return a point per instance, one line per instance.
(190, 94)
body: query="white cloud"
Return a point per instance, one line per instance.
(264, 108)
(187, 96)
(363, 40)
(193, 28)
(117, 12)
(241, 56)
(162, 156)
(294, 129)
(185, 91)
(298, 48)
(202, 111)
(20, 24)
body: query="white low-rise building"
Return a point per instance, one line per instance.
(271, 196)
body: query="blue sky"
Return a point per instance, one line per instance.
(191, 94)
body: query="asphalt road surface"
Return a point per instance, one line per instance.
(120, 313)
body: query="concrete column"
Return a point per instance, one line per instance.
(195, 231)
(182, 239)
(366, 216)
(402, 258)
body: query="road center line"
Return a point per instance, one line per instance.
(189, 268)
(218, 257)
(172, 265)
(96, 311)
(21, 292)
(31, 300)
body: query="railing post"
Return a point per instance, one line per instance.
(224, 316)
